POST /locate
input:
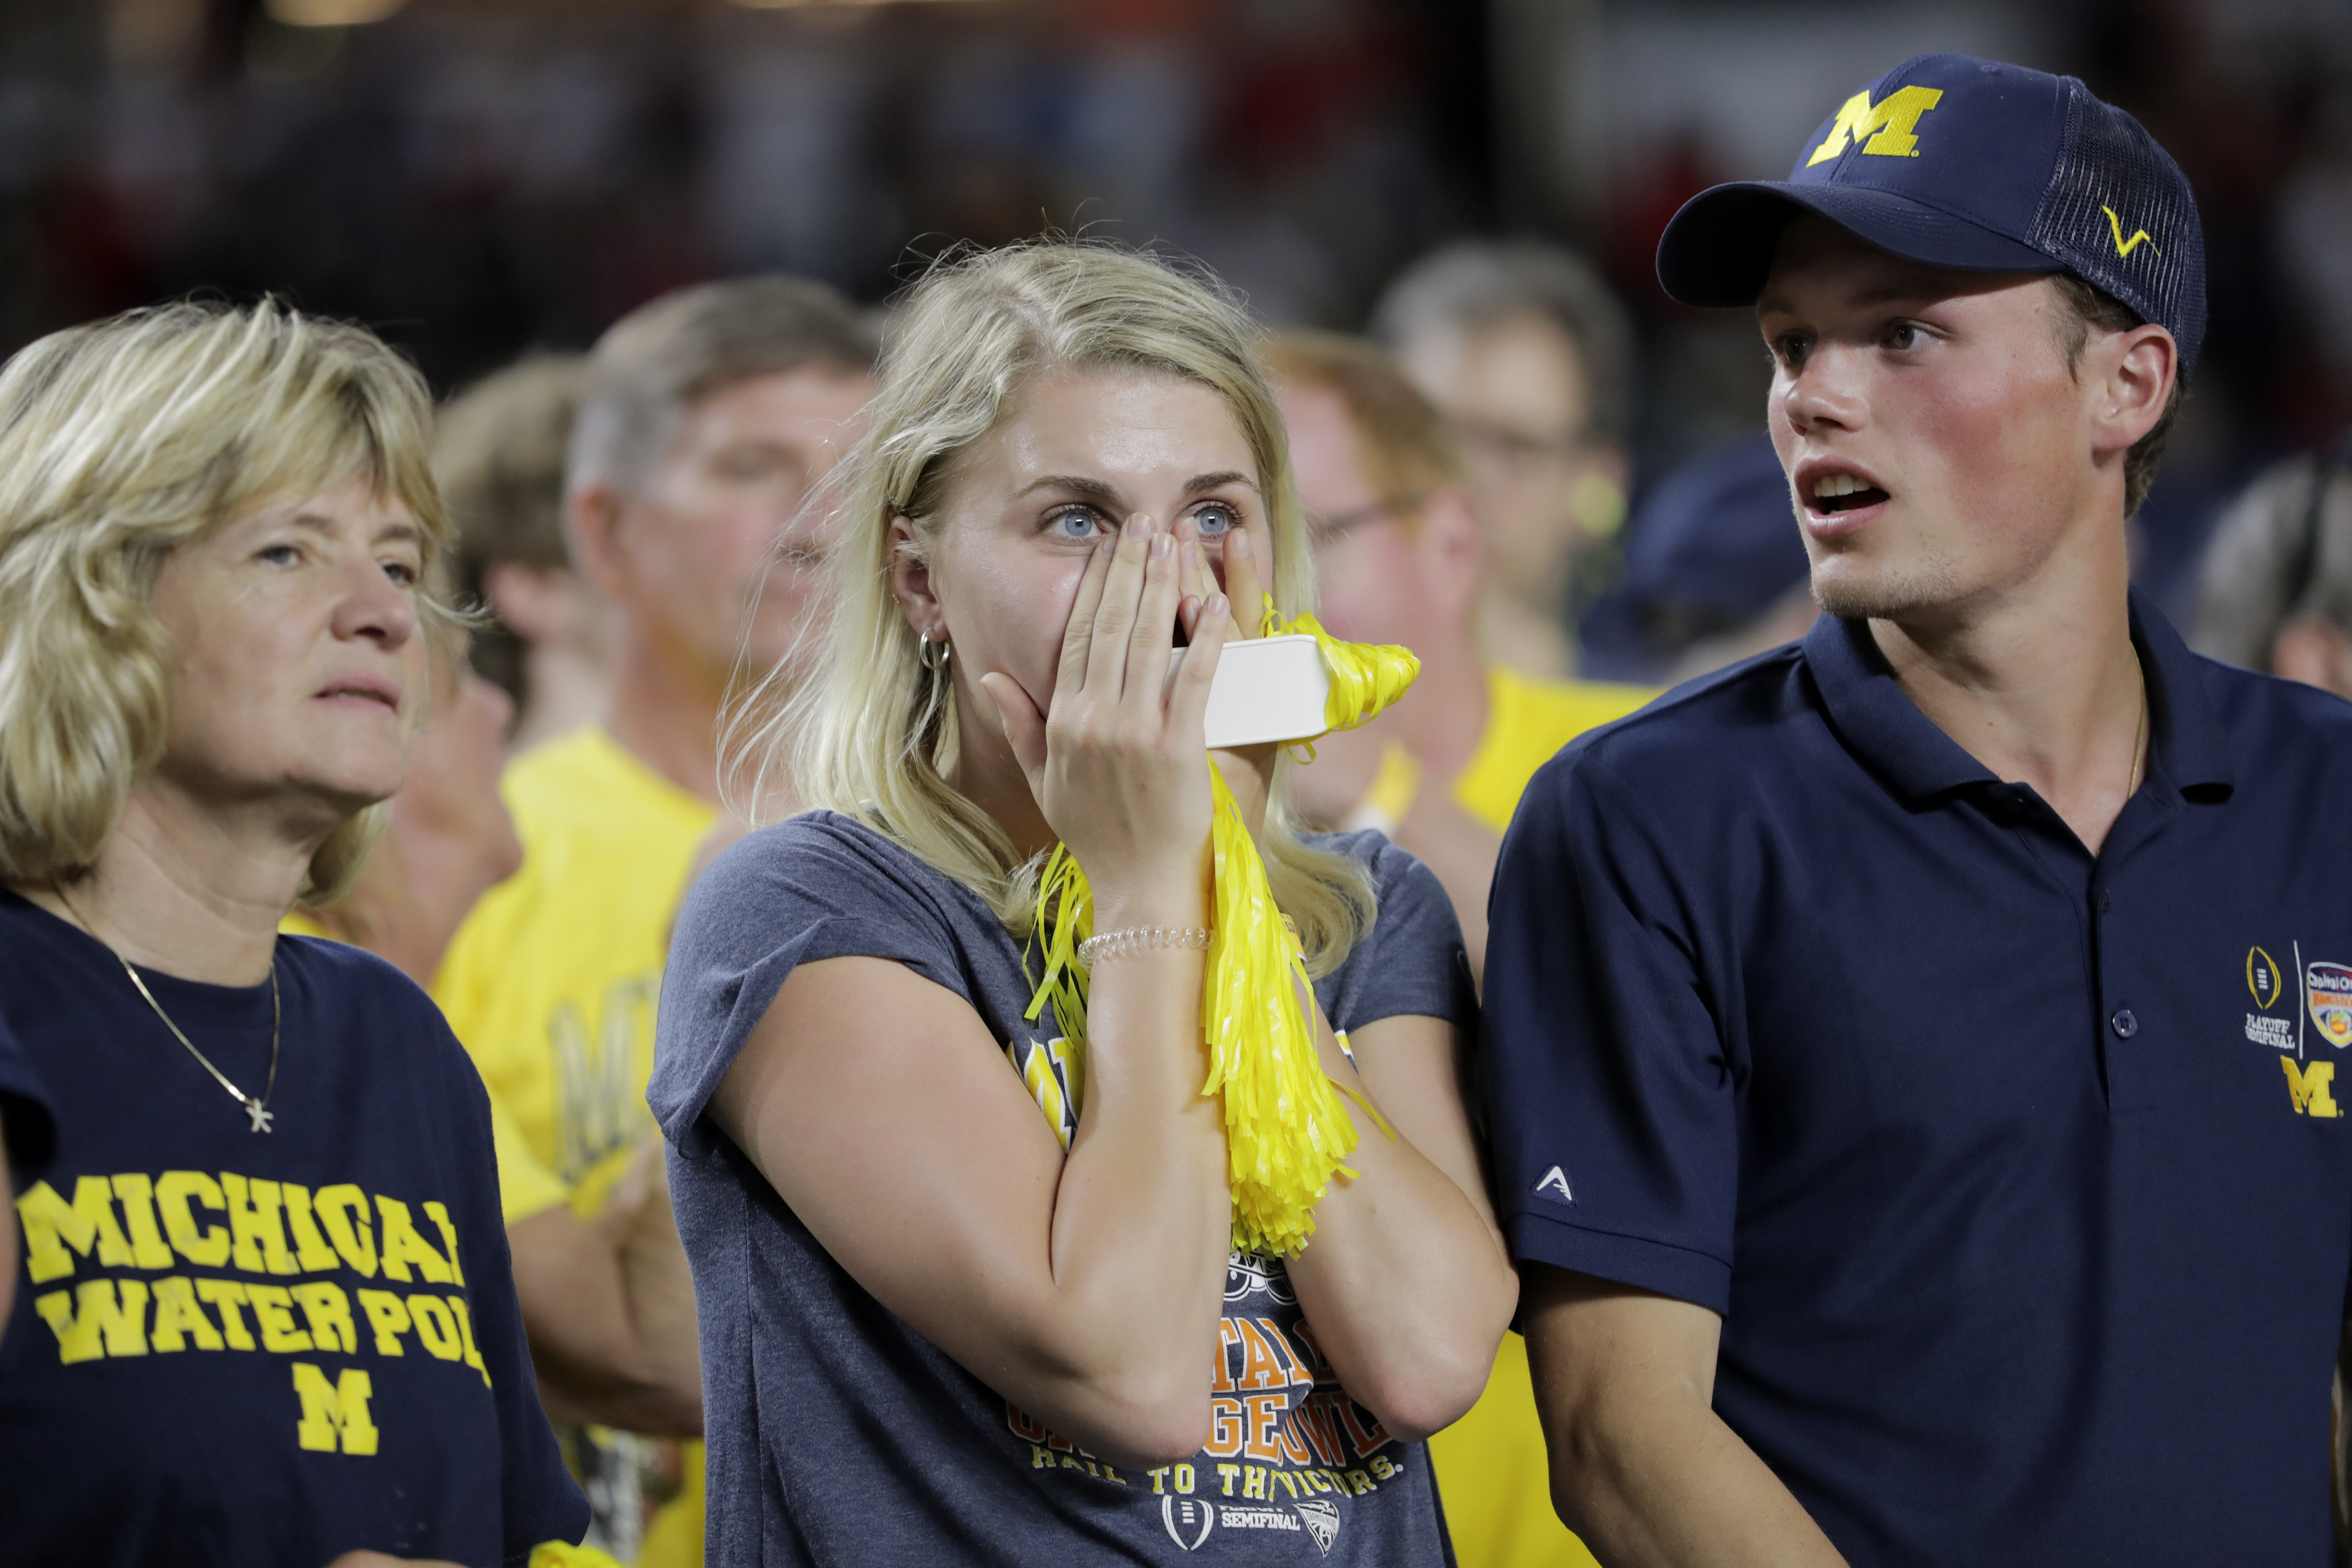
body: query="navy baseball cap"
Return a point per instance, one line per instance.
(1972, 164)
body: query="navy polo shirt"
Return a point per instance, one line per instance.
(2022, 1178)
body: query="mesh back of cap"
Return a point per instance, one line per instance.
(2108, 163)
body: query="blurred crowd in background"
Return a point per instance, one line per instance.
(475, 178)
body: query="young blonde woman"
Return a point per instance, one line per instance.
(964, 1297)
(264, 1315)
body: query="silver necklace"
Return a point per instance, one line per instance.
(255, 1109)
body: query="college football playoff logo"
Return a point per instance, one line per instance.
(2328, 987)
(1189, 1521)
(1322, 1520)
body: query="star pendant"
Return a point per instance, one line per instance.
(261, 1119)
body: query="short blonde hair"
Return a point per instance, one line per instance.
(119, 442)
(1408, 454)
(872, 736)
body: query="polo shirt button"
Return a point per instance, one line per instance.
(2106, 901)
(2125, 1025)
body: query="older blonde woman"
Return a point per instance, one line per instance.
(962, 1301)
(266, 1315)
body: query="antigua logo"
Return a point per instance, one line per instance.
(1554, 1185)
(1322, 1521)
(2329, 989)
(2124, 247)
(1182, 1514)
(2263, 979)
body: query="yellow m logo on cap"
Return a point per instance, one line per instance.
(1894, 118)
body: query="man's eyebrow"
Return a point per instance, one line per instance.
(1865, 300)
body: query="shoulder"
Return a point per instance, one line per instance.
(2269, 717)
(1699, 739)
(350, 988)
(821, 866)
(1396, 872)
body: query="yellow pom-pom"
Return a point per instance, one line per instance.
(1287, 1130)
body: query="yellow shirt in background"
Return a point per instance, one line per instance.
(551, 984)
(1491, 1472)
(1528, 721)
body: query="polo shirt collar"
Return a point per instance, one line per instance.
(1887, 729)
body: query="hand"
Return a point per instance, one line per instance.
(1248, 769)
(1116, 762)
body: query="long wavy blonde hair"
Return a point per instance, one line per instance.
(119, 442)
(870, 734)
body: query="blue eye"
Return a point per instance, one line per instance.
(1073, 522)
(1216, 520)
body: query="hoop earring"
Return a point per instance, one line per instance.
(933, 656)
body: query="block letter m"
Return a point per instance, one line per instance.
(334, 1414)
(2308, 1087)
(1894, 118)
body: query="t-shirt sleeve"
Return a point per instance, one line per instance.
(806, 890)
(538, 1500)
(27, 1119)
(1412, 961)
(1608, 1089)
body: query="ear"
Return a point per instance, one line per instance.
(912, 582)
(591, 515)
(2135, 376)
(1448, 552)
(2315, 652)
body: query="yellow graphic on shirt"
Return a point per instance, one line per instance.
(197, 1224)
(2307, 1087)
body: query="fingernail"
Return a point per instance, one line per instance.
(1238, 539)
(1139, 524)
(1162, 546)
(1216, 606)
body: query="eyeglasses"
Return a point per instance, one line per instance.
(1322, 529)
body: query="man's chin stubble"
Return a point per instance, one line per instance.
(1887, 595)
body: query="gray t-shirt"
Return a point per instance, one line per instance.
(837, 1433)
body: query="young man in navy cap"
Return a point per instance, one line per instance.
(1912, 1052)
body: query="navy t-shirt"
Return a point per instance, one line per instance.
(26, 1116)
(837, 1433)
(242, 1348)
(2019, 1176)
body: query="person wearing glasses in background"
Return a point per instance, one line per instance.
(1530, 358)
(1397, 554)
(264, 1315)
(1912, 1053)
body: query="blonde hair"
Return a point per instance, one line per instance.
(871, 734)
(1407, 452)
(120, 442)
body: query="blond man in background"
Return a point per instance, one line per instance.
(1397, 556)
(707, 420)
(1528, 355)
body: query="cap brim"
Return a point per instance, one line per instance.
(1718, 249)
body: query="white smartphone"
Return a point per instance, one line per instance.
(1266, 689)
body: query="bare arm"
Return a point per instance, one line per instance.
(610, 1310)
(1641, 1468)
(1406, 1279)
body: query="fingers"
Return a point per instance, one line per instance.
(1245, 582)
(1194, 579)
(1025, 726)
(1115, 614)
(1078, 636)
(1188, 704)
(1154, 633)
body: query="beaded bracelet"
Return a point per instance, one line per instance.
(1137, 939)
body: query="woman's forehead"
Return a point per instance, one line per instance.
(1128, 427)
